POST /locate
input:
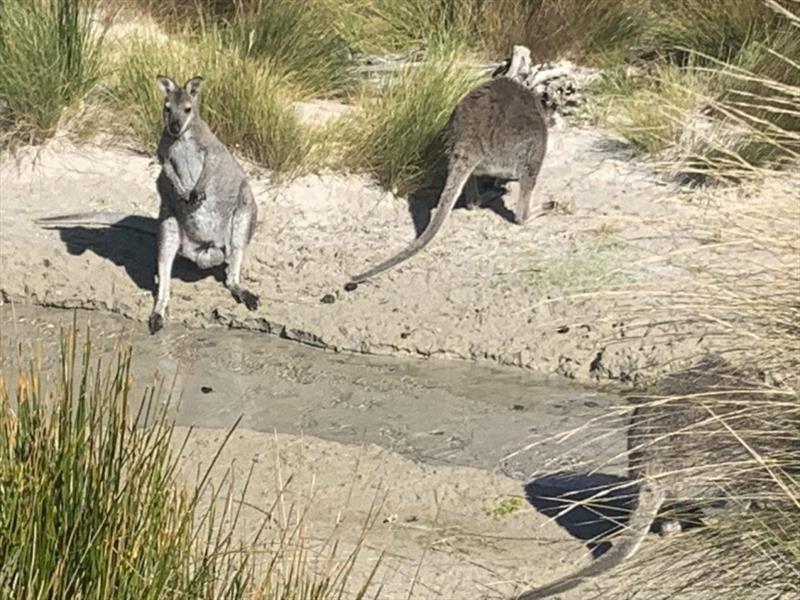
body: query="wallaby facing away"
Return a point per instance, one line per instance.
(208, 213)
(682, 452)
(498, 129)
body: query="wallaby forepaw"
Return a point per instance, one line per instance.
(249, 299)
(196, 197)
(155, 322)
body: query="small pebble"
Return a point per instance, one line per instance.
(563, 329)
(349, 287)
(206, 389)
(328, 299)
(517, 407)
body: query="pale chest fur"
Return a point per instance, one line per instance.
(186, 158)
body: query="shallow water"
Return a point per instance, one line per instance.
(435, 411)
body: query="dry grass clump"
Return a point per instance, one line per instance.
(91, 505)
(50, 57)
(298, 42)
(729, 107)
(245, 105)
(397, 133)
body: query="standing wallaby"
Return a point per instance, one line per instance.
(208, 213)
(498, 129)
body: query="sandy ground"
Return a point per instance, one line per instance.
(485, 289)
(443, 463)
(436, 441)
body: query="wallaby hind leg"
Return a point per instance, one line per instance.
(240, 235)
(169, 241)
(472, 194)
(527, 181)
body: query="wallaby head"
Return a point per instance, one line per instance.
(181, 104)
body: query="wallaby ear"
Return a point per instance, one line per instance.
(502, 68)
(193, 86)
(166, 84)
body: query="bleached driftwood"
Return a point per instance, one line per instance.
(556, 84)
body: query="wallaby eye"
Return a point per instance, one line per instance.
(187, 110)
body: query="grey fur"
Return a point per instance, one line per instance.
(497, 129)
(680, 450)
(208, 213)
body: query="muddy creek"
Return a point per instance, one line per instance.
(435, 411)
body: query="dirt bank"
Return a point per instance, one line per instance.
(486, 289)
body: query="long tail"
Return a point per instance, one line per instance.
(651, 497)
(456, 179)
(140, 223)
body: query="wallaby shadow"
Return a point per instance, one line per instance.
(127, 246)
(591, 507)
(423, 201)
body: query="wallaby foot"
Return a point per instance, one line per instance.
(155, 322)
(242, 296)
(474, 198)
(670, 528)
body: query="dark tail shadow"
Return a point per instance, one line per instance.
(591, 507)
(424, 200)
(125, 245)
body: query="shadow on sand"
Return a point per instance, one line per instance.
(130, 244)
(591, 507)
(422, 202)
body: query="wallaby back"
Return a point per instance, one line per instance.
(496, 129)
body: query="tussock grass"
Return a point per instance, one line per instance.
(727, 30)
(413, 27)
(398, 134)
(242, 101)
(49, 60)
(298, 41)
(729, 107)
(596, 30)
(91, 505)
